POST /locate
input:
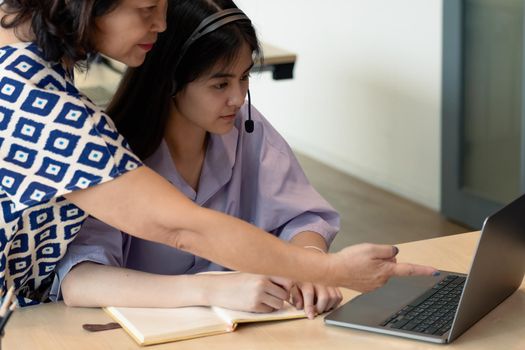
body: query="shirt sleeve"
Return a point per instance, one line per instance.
(285, 201)
(96, 242)
(54, 142)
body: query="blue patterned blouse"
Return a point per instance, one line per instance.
(53, 140)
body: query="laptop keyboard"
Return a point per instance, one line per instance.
(432, 312)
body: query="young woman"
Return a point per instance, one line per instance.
(206, 153)
(61, 159)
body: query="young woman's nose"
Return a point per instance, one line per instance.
(237, 97)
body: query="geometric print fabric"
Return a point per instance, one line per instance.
(53, 141)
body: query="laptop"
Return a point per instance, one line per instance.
(439, 309)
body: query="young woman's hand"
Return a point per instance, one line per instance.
(365, 267)
(315, 298)
(249, 292)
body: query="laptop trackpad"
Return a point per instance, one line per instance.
(373, 308)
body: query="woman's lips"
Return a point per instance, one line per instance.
(146, 47)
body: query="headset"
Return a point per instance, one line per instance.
(208, 25)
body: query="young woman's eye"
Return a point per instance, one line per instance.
(245, 77)
(220, 86)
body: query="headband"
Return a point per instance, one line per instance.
(210, 24)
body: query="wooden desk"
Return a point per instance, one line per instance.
(53, 326)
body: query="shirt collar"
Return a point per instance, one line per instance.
(218, 164)
(216, 169)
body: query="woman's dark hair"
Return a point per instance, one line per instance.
(141, 106)
(63, 29)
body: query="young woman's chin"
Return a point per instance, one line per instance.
(221, 130)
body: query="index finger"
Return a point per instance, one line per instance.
(404, 269)
(308, 292)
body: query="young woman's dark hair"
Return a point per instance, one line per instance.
(141, 105)
(63, 29)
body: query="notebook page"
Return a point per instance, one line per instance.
(232, 316)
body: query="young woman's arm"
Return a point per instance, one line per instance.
(144, 204)
(93, 285)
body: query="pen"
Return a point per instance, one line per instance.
(4, 319)
(7, 301)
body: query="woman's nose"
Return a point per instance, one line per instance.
(159, 20)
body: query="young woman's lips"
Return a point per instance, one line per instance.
(146, 47)
(228, 117)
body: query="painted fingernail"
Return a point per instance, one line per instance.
(396, 250)
(436, 273)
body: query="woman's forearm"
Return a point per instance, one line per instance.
(94, 285)
(240, 246)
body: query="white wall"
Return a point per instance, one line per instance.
(366, 93)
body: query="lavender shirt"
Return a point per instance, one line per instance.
(254, 177)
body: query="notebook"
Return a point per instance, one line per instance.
(440, 309)
(161, 325)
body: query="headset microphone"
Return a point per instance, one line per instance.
(248, 125)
